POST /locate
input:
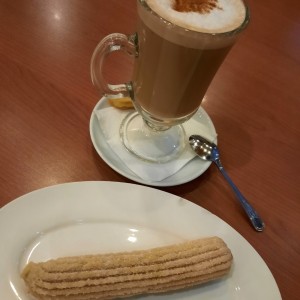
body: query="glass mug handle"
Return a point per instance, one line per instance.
(111, 43)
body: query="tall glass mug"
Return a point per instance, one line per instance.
(175, 60)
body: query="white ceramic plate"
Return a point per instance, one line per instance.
(94, 217)
(190, 171)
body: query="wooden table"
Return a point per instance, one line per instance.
(46, 99)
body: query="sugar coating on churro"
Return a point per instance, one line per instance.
(125, 274)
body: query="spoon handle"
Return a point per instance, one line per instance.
(255, 219)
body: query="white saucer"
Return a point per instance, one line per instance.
(190, 171)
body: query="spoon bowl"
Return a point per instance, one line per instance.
(205, 150)
(209, 151)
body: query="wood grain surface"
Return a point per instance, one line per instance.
(46, 99)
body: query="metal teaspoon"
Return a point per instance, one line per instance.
(209, 151)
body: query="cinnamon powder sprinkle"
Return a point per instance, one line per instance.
(200, 6)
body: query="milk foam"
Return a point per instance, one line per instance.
(229, 16)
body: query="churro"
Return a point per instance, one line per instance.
(125, 274)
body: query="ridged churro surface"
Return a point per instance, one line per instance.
(119, 275)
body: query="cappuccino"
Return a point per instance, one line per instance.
(210, 16)
(179, 54)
